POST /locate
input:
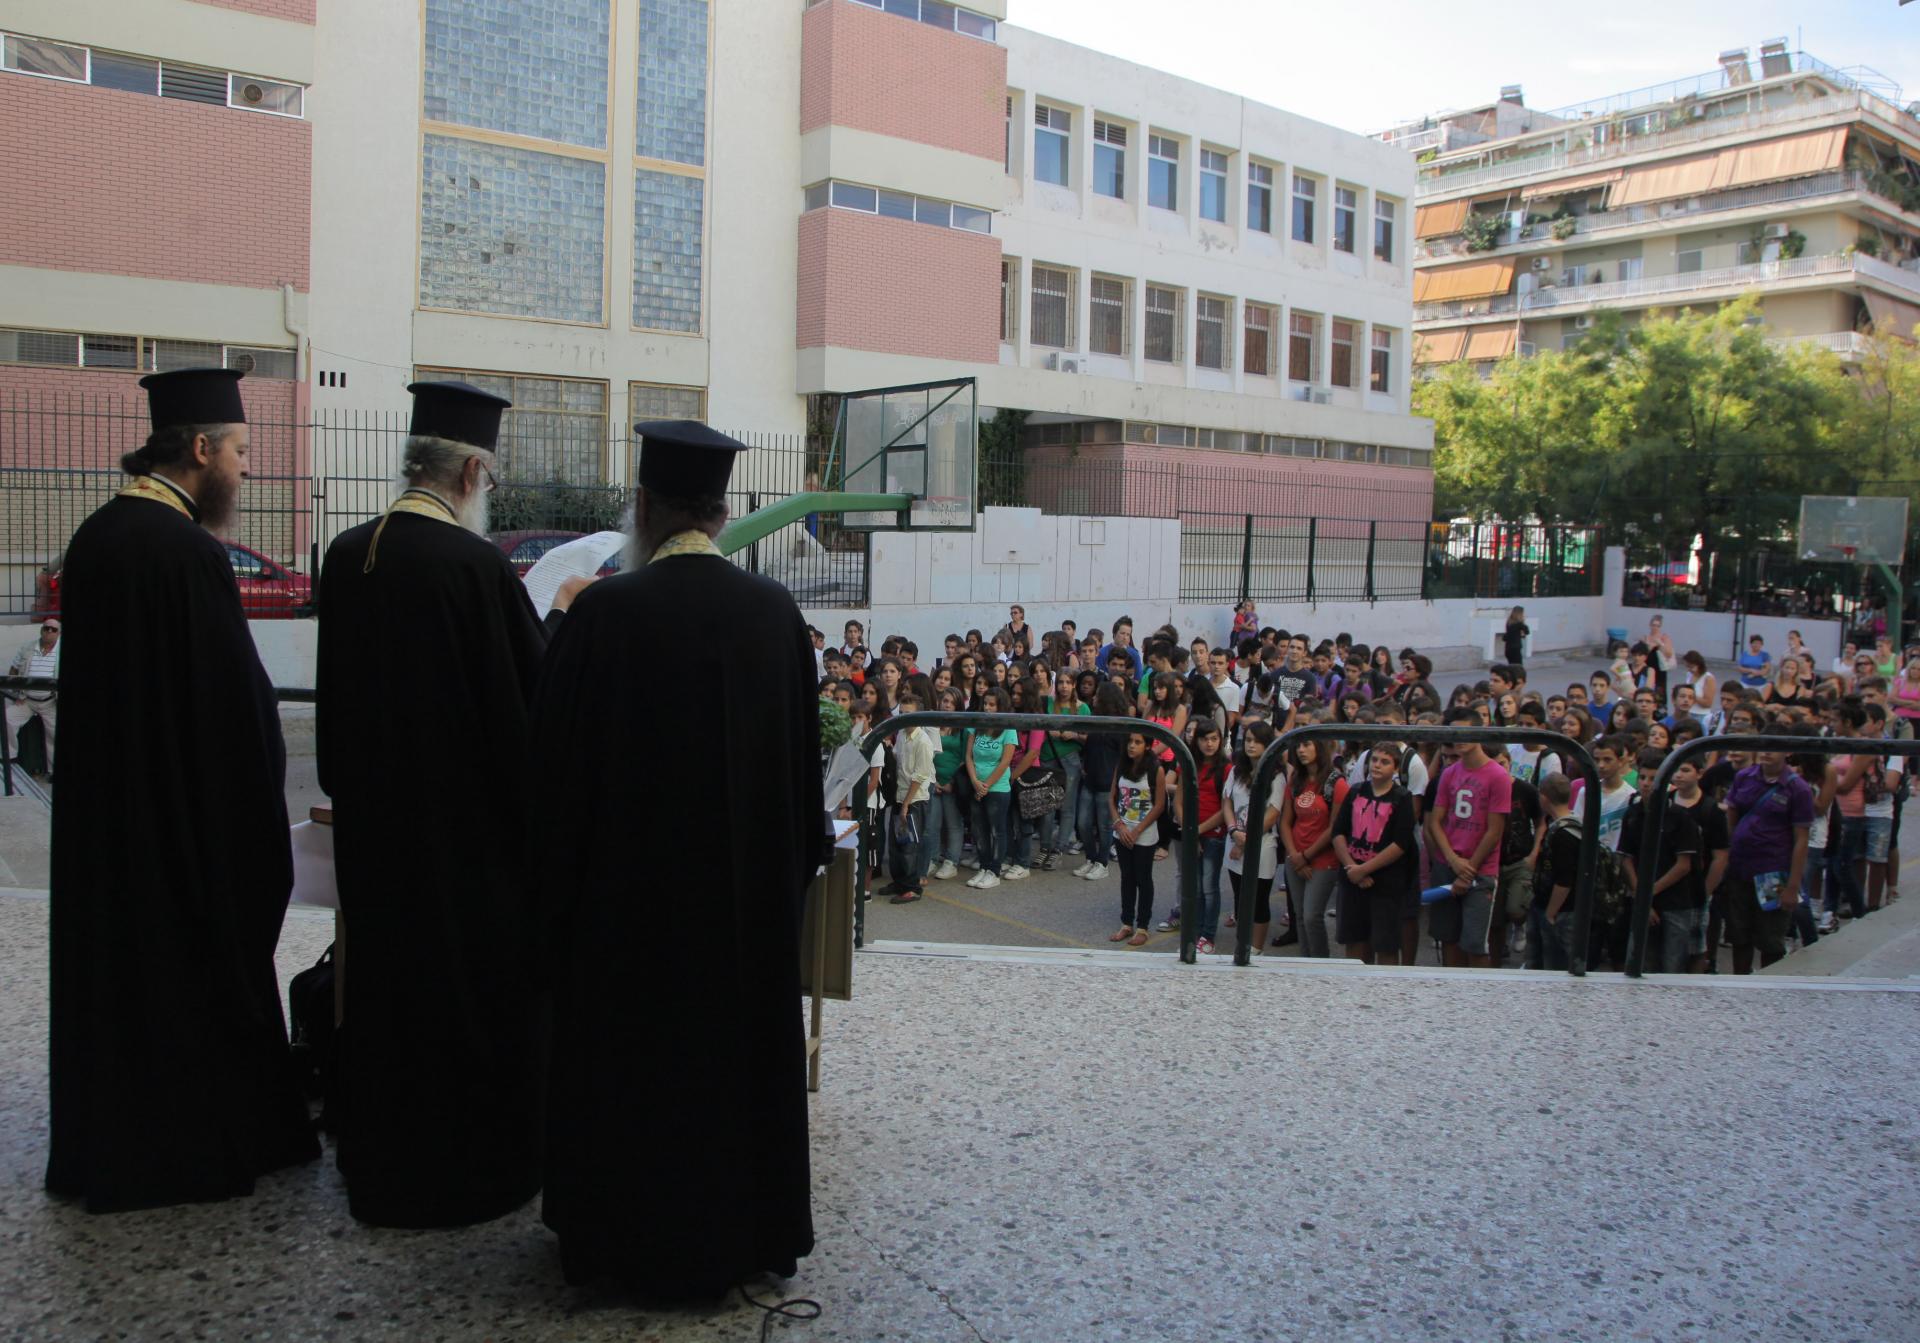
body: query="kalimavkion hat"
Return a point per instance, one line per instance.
(194, 396)
(458, 411)
(684, 459)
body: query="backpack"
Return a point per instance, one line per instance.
(1612, 891)
(310, 1010)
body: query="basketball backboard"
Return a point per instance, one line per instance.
(1853, 529)
(921, 441)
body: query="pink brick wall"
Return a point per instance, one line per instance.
(868, 283)
(1169, 482)
(870, 71)
(299, 11)
(127, 184)
(84, 418)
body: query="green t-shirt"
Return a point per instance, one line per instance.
(1061, 749)
(952, 754)
(987, 750)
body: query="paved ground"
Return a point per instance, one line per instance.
(1126, 1148)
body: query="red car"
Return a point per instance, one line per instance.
(268, 589)
(524, 548)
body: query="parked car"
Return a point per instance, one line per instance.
(268, 589)
(523, 549)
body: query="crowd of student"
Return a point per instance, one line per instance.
(1479, 842)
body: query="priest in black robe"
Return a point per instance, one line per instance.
(171, 1079)
(678, 844)
(429, 646)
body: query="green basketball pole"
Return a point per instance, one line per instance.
(764, 522)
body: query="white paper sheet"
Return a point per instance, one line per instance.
(579, 558)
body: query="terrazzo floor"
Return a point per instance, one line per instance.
(1068, 1149)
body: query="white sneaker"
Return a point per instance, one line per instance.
(1081, 870)
(973, 882)
(1073, 846)
(944, 871)
(1095, 872)
(1013, 872)
(970, 861)
(985, 882)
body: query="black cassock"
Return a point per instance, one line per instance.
(426, 672)
(171, 1079)
(683, 818)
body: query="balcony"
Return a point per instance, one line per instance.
(1573, 146)
(1661, 290)
(1849, 345)
(1605, 224)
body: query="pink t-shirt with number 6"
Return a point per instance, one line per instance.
(1469, 799)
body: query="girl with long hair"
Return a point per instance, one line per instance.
(1135, 804)
(1314, 795)
(1254, 743)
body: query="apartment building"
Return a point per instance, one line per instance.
(621, 209)
(1779, 176)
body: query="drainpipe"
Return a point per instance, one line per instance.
(297, 329)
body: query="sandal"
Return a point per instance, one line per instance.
(905, 898)
(1139, 939)
(1126, 931)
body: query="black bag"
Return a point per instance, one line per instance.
(1042, 789)
(311, 1027)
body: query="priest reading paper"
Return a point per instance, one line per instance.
(428, 652)
(171, 1080)
(676, 854)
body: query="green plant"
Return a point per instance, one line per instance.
(1563, 227)
(556, 507)
(835, 726)
(1792, 245)
(1867, 246)
(1482, 231)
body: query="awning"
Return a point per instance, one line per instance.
(1891, 317)
(1490, 342)
(1437, 221)
(1769, 161)
(1441, 346)
(1476, 279)
(1566, 186)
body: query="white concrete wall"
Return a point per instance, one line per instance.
(1713, 634)
(288, 648)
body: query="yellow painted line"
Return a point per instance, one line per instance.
(1009, 921)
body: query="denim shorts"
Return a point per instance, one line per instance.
(1876, 836)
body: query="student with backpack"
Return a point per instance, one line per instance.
(1550, 917)
(1675, 916)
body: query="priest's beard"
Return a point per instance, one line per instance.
(219, 501)
(471, 512)
(637, 551)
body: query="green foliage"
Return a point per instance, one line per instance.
(1564, 226)
(1003, 467)
(1792, 245)
(555, 507)
(1677, 426)
(835, 727)
(1482, 230)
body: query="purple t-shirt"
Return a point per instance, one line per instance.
(1469, 799)
(1763, 840)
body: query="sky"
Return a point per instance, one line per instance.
(1367, 66)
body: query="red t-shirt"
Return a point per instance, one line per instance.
(1313, 817)
(1209, 784)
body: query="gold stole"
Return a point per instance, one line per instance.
(421, 503)
(686, 543)
(146, 487)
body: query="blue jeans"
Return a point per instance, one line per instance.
(947, 824)
(1090, 824)
(1065, 820)
(1213, 853)
(1843, 883)
(990, 834)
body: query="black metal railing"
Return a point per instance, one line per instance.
(1051, 722)
(1647, 861)
(1260, 788)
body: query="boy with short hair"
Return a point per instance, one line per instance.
(1676, 918)
(1612, 757)
(1689, 796)
(1769, 812)
(1550, 917)
(1464, 831)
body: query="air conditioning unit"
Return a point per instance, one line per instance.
(1526, 348)
(1322, 396)
(264, 95)
(243, 361)
(1069, 365)
(1542, 263)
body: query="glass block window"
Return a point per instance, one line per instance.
(656, 401)
(667, 211)
(511, 231)
(673, 81)
(529, 67)
(556, 431)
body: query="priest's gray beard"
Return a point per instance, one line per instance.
(219, 502)
(636, 552)
(471, 512)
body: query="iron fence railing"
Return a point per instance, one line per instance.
(314, 476)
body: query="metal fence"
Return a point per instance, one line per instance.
(314, 477)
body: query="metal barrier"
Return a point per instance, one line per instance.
(1051, 722)
(1648, 860)
(1570, 751)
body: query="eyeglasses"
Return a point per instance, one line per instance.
(491, 484)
